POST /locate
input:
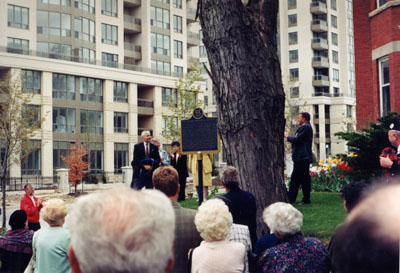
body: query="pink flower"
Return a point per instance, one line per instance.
(326, 183)
(333, 179)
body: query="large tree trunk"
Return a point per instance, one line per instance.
(245, 70)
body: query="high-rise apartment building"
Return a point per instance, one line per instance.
(101, 71)
(317, 60)
(377, 58)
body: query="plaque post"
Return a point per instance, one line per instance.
(200, 171)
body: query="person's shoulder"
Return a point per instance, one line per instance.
(236, 247)
(314, 242)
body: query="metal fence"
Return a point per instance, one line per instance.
(37, 181)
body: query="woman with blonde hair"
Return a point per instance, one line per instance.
(51, 244)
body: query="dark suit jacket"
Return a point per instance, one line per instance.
(243, 209)
(180, 166)
(301, 143)
(186, 237)
(139, 154)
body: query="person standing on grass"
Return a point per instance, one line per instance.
(179, 162)
(32, 206)
(302, 157)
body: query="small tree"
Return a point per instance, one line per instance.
(367, 145)
(181, 107)
(76, 164)
(18, 123)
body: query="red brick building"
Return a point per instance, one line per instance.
(377, 58)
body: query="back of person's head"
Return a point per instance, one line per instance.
(122, 230)
(230, 177)
(305, 115)
(54, 211)
(369, 241)
(213, 220)
(175, 143)
(352, 194)
(283, 218)
(18, 219)
(166, 180)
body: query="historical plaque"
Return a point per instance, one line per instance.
(199, 134)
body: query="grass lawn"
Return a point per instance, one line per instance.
(319, 219)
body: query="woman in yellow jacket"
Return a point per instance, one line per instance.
(207, 169)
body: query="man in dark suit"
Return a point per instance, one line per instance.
(141, 151)
(166, 180)
(243, 203)
(179, 162)
(302, 157)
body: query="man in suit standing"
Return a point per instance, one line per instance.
(142, 151)
(166, 180)
(302, 157)
(179, 162)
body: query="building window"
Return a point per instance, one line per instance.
(384, 86)
(206, 100)
(293, 56)
(18, 17)
(109, 59)
(160, 44)
(214, 100)
(63, 120)
(161, 68)
(63, 86)
(109, 34)
(292, 4)
(31, 81)
(177, 24)
(120, 122)
(292, 20)
(66, 3)
(336, 92)
(109, 7)
(169, 95)
(348, 111)
(381, 3)
(335, 56)
(334, 38)
(32, 112)
(333, 4)
(60, 148)
(327, 109)
(121, 151)
(177, 4)
(334, 21)
(335, 75)
(165, 129)
(85, 5)
(294, 92)
(163, 1)
(87, 56)
(30, 165)
(96, 155)
(85, 29)
(159, 17)
(54, 51)
(327, 130)
(203, 51)
(294, 74)
(91, 122)
(91, 89)
(293, 38)
(18, 46)
(53, 23)
(178, 70)
(121, 91)
(178, 49)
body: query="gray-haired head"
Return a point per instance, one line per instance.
(230, 177)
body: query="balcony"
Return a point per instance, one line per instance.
(193, 39)
(132, 3)
(190, 15)
(318, 7)
(145, 107)
(192, 60)
(319, 26)
(320, 80)
(319, 44)
(133, 51)
(320, 62)
(132, 24)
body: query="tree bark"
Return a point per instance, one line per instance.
(245, 70)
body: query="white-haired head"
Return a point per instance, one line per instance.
(213, 220)
(283, 218)
(122, 230)
(54, 211)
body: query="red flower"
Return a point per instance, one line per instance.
(333, 179)
(342, 176)
(326, 183)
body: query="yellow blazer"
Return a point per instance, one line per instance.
(207, 169)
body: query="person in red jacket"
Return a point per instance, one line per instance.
(32, 206)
